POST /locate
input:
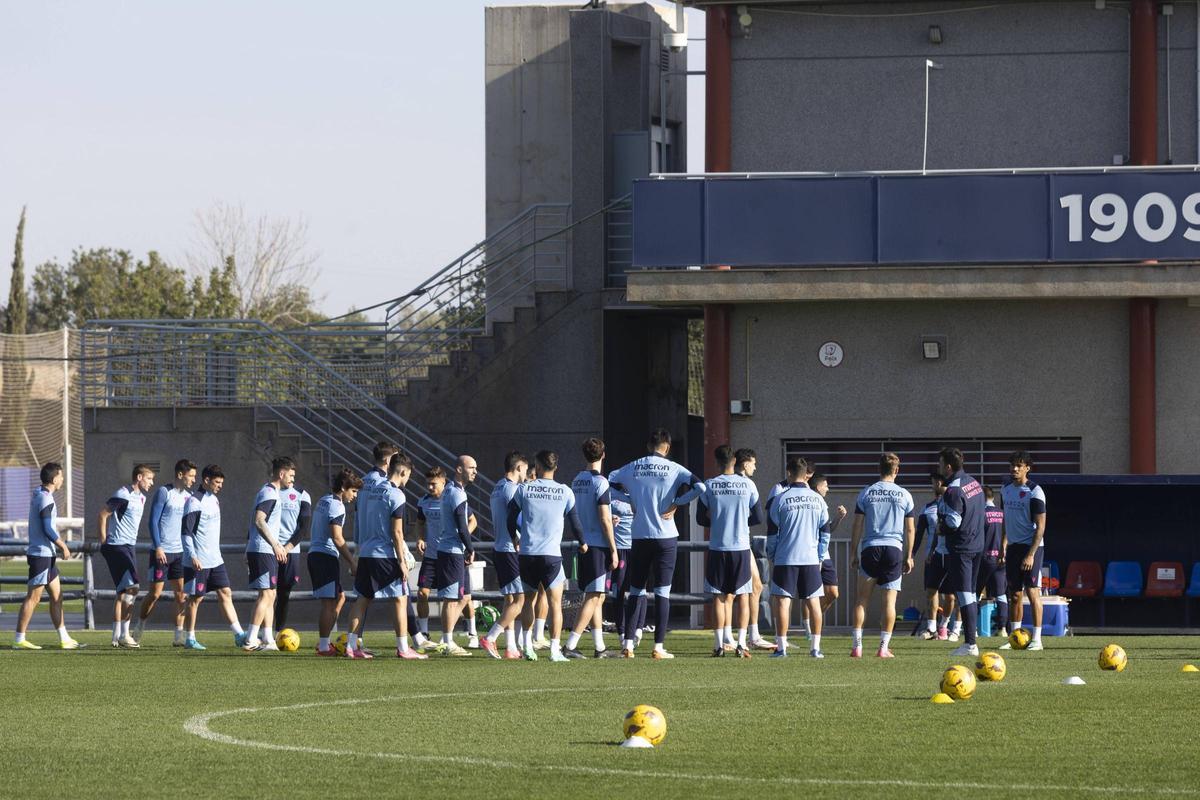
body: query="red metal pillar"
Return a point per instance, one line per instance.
(718, 96)
(1143, 150)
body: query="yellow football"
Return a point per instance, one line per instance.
(1020, 639)
(647, 722)
(1113, 658)
(958, 682)
(288, 640)
(990, 667)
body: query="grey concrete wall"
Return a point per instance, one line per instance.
(1023, 85)
(1178, 386)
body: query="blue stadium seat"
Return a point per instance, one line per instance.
(1193, 589)
(1123, 579)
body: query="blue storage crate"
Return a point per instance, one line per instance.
(1054, 618)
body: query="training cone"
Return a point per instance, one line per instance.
(1189, 668)
(941, 698)
(1075, 680)
(636, 741)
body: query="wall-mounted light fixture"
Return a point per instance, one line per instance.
(935, 34)
(933, 347)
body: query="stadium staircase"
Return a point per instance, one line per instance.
(326, 393)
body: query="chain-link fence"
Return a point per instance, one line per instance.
(40, 421)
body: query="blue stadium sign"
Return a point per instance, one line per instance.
(913, 219)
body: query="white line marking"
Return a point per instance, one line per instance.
(198, 725)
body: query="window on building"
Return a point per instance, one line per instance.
(854, 463)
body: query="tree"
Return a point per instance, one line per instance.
(110, 284)
(15, 317)
(16, 380)
(270, 257)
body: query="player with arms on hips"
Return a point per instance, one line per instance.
(429, 532)
(118, 523)
(44, 540)
(451, 580)
(961, 519)
(506, 561)
(829, 578)
(1024, 505)
(544, 507)
(203, 566)
(295, 520)
(593, 504)
(991, 574)
(653, 483)
(329, 542)
(264, 553)
(801, 519)
(882, 544)
(166, 562)
(728, 506)
(382, 568)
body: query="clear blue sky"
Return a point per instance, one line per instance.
(121, 119)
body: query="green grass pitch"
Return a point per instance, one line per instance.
(162, 722)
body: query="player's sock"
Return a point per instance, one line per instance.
(323, 643)
(931, 625)
(510, 641)
(268, 634)
(741, 640)
(816, 642)
(662, 613)
(857, 634)
(807, 627)
(402, 644)
(179, 635)
(494, 632)
(781, 642)
(598, 639)
(885, 638)
(471, 630)
(627, 644)
(754, 634)
(1037, 633)
(539, 629)
(352, 641)
(970, 614)
(572, 640)
(718, 637)
(1002, 613)
(659, 647)
(958, 625)
(116, 631)
(63, 636)
(19, 637)
(235, 626)
(423, 625)
(729, 634)
(253, 634)
(555, 647)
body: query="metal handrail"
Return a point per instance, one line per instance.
(910, 172)
(247, 363)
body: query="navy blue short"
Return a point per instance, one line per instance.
(652, 567)
(122, 565)
(42, 570)
(1019, 579)
(379, 578)
(196, 584)
(289, 571)
(545, 571)
(992, 578)
(508, 572)
(170, 571)
(882, 564)
(326, 575)
(450, 577)
(263, 569)
(828, 573)
(962, 571)
(935, 572)
(618, 579)
(727, 572)
(428, 571)
(797, 581)
(593, 570)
